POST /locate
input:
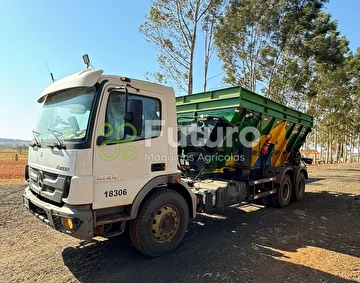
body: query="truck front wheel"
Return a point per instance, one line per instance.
(161, 223)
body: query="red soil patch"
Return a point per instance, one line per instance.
(11, 169)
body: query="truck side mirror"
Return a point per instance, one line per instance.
(100, 140)
(134, 116)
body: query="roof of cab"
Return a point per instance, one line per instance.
(86, 78)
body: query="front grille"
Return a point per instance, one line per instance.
(51, 176)
(47, 200)
(54, 188)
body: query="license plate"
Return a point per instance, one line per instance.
(26, 202)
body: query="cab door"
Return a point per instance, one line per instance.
(126, 158)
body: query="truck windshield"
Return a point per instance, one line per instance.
(67, 114)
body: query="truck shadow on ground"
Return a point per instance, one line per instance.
(313, 180)
(344, 169)
(251, 244)
(334, 177)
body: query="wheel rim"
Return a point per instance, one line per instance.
(165, 224)
(286, 191)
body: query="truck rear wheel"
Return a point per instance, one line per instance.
(161, 223)
(267, 201)
(299, 190)
(283, 196)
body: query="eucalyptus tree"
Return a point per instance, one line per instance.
(292, 52)
(173, 27)
(335, 101)
(265, 45)
(209, 24)
(319, 50)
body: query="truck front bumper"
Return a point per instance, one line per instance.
(76, 221)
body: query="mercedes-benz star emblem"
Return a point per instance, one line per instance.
(40, 180)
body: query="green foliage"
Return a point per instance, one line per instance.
(290, 51)
(273, 46)
(173, 27)
(336, 104)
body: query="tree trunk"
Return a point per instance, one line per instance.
(331, 148)
(338, 153)
(327, 152)
(315, 138)
(358, 149)
(206, 61)
(192, 49)
(328, 148)
(351, 150)
(206, 64)
(345, 150)
(208, 51)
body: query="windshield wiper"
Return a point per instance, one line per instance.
(36, 141)
(60, 144)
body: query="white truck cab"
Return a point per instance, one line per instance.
(98, 152)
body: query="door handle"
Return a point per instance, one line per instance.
(157, 167)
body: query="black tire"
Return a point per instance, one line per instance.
(267, 201)
(161, 223)
(258, 201)
(283, 196)
(299, 190)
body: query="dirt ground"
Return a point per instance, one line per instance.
(316, 240)
(11, 169)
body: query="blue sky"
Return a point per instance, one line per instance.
(37, 33)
